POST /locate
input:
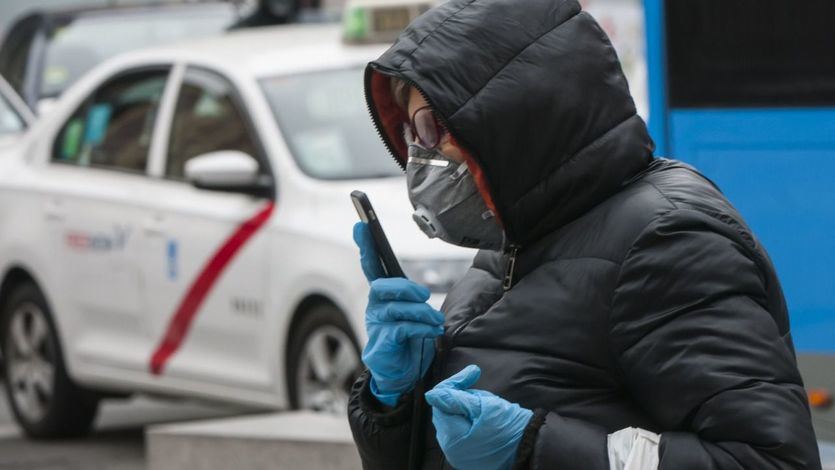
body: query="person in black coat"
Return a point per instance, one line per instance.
(621, 313)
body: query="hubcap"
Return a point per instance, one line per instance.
(30, 361)
(328, 366)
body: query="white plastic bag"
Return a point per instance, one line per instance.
(633, 449)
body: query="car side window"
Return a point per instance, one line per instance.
(207, 118)
(114, 127)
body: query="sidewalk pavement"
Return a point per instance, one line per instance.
(274, 441)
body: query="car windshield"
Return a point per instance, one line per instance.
(77, 46)
(325, 122)
(10, 121)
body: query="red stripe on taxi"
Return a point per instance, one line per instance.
(186, 312)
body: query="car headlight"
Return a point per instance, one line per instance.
(438, 275)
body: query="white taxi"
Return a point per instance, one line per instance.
(181, 225)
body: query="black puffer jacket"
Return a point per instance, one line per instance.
(639, 296)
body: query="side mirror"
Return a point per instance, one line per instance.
(228, 170)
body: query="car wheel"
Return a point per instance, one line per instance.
(45, 402)
(323, 361)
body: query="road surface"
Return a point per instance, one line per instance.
(117, 443)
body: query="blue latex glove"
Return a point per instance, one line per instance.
(369, 260)
(476, 429)
(397, 320)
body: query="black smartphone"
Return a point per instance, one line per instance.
(381, 243)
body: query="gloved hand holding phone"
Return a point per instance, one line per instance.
(397, 320)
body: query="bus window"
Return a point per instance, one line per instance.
(750, 53)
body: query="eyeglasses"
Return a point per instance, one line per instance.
(424, 129)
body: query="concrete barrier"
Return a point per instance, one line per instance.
(278, 441)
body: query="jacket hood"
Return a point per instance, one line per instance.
(534, 94)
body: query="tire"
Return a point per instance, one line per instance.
(44, 400)
(323, 361)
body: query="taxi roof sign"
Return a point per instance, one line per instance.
(369, 21)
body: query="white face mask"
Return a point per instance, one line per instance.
(447, 202)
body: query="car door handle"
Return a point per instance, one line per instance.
(54, 210)
(153, 226)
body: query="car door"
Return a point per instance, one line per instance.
(206, 263)
(98, 184)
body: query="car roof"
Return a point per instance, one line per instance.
(271, 50)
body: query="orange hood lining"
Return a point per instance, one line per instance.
(392, 118)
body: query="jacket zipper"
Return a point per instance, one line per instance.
(510, 268)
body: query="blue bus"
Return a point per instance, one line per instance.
(744, 90)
